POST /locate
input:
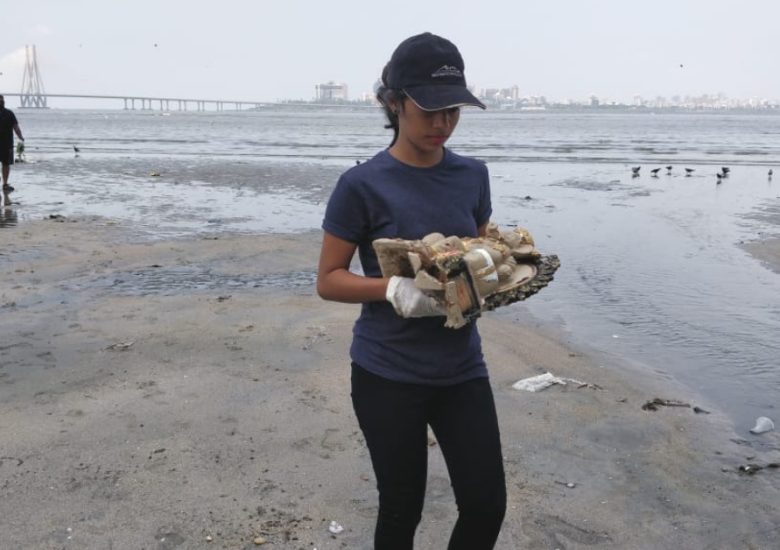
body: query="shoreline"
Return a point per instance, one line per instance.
(186, 394)
(512, 109)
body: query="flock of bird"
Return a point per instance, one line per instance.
(724, 172)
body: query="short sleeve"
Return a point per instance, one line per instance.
(345, 215)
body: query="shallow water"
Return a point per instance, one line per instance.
(651, 267)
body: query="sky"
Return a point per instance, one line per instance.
(262, 50)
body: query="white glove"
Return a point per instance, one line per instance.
(410, 301)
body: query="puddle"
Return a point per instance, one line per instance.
(168, 282)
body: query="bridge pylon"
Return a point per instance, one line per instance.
(33, 94)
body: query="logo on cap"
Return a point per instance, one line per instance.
(447, 70)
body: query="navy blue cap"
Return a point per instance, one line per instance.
(429, 69)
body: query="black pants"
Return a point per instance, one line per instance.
(394, 419)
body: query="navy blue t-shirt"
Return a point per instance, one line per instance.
(384, 197)
(7, 123)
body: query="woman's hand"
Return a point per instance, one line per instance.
(410, 301)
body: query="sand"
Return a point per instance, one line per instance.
(767, 251)
(160, 395)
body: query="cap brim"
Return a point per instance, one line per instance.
(442, 96)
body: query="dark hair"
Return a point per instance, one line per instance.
(385, 96)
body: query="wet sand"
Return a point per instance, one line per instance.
(766, 251)
(160, 394)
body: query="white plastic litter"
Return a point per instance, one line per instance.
(335, 528)
(537, 383)
(763, 424)
(543, 381)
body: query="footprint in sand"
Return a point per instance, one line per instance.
(545, 530)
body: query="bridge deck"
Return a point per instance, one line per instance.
(146, 102)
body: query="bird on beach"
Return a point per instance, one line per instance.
(654, 171)
(668, 170)
(76, 150)
(725, 170)
(635, 171)
(689, 171)
(720, 177)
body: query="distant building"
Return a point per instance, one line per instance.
(330, 91)
(508, 98)
(490, 95)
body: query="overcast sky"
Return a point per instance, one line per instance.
(268, 50)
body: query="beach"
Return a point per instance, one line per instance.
(193, 392)
(655, 268)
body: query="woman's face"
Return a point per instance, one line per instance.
(424, 133)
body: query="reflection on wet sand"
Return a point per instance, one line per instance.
(8, 216)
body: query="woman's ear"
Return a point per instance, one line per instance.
(395, 102)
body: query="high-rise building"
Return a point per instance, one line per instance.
(330, 91)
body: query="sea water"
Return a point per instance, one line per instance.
(652, 267)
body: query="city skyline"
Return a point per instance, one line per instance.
(561, 50)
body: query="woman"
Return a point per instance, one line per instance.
(408, 370)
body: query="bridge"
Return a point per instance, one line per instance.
(40, 101)
(34, 96)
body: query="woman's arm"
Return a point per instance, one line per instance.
(335, 281)
(482, 229)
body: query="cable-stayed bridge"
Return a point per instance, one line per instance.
(34, 95)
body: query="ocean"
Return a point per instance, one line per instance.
(652, 272)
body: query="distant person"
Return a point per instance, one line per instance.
(408, 370)
(8, 126)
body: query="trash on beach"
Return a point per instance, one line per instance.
(335, 528)
(259, 540)
(538, 383)
(544, 381)
(155, 174)
(699, 410)
(121, 346)
(751, 468)
(763, 424)
(656, 402)
(568, 484)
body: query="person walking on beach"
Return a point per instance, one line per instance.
(408, 370)
(8, 126)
